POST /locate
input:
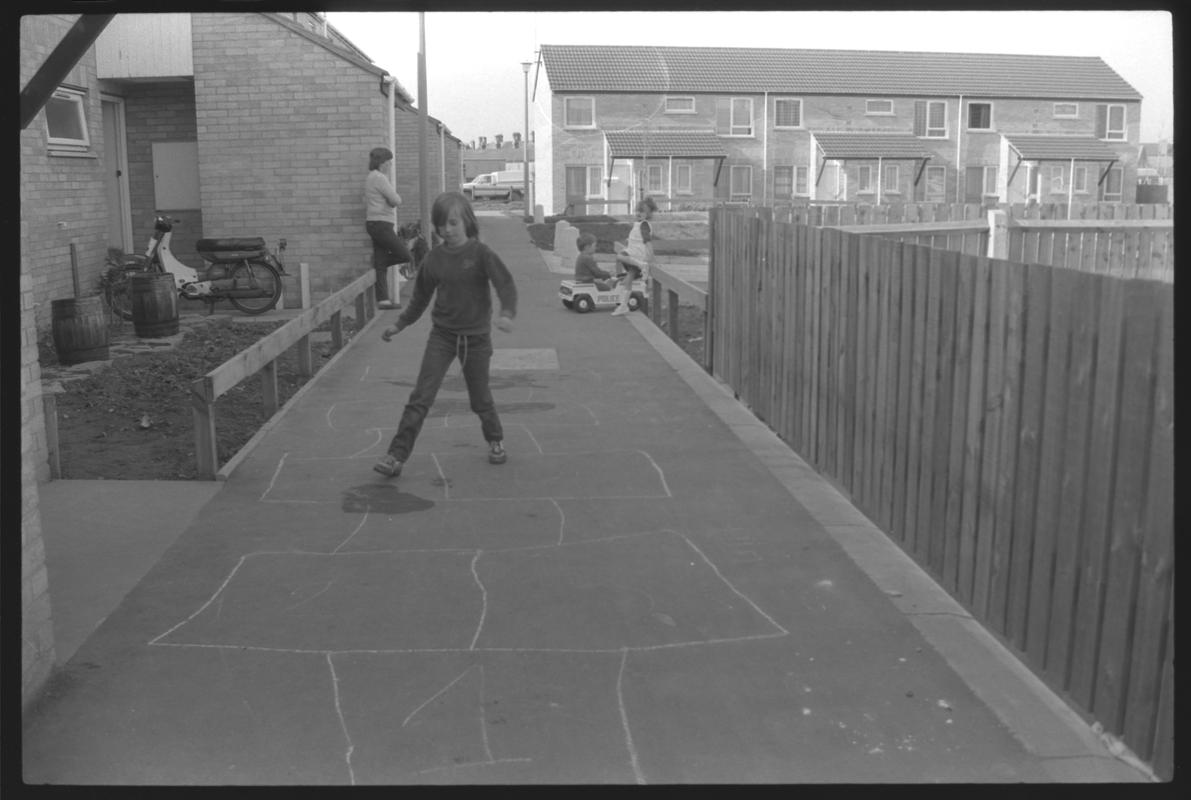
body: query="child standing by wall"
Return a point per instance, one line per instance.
(637, 253)
(380, 203)
(458, 274)
(586, 268)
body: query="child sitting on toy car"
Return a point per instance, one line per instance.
(586, 268)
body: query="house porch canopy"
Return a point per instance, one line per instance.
(876, 146)
(665, 144)
(1065, 149)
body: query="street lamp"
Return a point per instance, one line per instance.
(525, 65)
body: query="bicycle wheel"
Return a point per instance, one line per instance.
(117, 289)
(261, 277)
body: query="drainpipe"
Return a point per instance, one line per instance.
(765, 152)
(959, 143)
(1070, 188)
(391, 91)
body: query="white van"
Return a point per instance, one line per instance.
(503, 185)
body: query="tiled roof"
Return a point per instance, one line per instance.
(664, 144)
(585, 68)
(870, 145)
(1061, 148)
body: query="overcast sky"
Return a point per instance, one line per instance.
(476, 87)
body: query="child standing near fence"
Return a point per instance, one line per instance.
(634, 257)
(459, 275)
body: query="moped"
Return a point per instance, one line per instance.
(241, 270)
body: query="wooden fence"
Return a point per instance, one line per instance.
(262, 357)
(1010, 425)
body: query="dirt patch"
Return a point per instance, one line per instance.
(132, 419)
(689, 334)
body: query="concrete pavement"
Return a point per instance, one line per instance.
(653, 589)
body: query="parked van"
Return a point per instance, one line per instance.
(502, 185)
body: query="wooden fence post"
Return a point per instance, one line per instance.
(202, 401)
(305, 357)
(270, 397)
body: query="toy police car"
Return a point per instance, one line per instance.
(586, 296)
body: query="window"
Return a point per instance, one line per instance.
(1110, 122)
(1054, 178)
(783, 183)
(936, 184)
(864, 179)
(990, 180)
(653, 179)
(1066, 110)
(800, 182)
(682, 179)
(787, 112)
(741, 182)
(980, 116)
(578, 112)
(595, 181)
(741, 123)
(1081, 180)
(884, 107)
(930, 119)
(1111, 188)
(891, 180)
(680, 105)
(66, 119)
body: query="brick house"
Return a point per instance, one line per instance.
(238, 124)
(693, 126)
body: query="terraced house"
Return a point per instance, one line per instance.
(701, 125)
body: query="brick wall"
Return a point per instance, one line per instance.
(406, 164)
(37, 630)
(284, 129)
(159, 112)
(63, 201)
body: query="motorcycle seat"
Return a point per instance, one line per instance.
(248, 244)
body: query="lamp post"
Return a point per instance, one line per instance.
(525, 65)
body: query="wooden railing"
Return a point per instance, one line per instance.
(677, 292)
(1010, 425)
(262, 357)
(1137, 248)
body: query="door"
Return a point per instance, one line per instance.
(620, 189)
(576, 190)
(115, 168)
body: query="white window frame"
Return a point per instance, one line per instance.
(777, 101)
(1115, 134)
(941, 173)
(968, 116)
(988, 181)
(891, 186)
(687, 99)
(1113, 197)
(683, 179)
(566, 112)
(802, 187)
(78, 99)
(871, 111)
(655, 180)
(595, 177)
(735, 128)
(1056, 179)
(1080, 180)
(1057, 114)
(740, 169)
(936, 133)
(864, 179)
(780, 169)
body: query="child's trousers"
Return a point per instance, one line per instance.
(442, 347)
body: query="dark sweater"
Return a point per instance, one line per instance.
(459, 279)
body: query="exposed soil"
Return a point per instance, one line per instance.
(132, 419)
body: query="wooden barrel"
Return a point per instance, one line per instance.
(80, 329)
(154, 301)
